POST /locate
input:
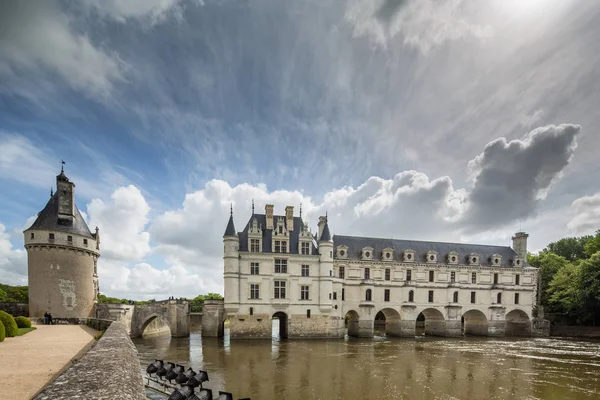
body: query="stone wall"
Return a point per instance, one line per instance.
(591, 332)
(196, 322)
(15, 309)
(110, 370)
(257, 326)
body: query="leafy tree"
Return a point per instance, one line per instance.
(3, 295)
(15, 294)
(563, 291)
(571, 248)
(549, 264)
(197, 302)
(589, 285)
(593, 245)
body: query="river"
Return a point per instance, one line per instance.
(388, 368)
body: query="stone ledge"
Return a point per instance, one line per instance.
(110, 370)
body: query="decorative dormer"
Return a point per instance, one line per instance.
(517, 262)
(281, 240)
(305, 240)
(473, 259)
(387, 254)
(255, 237)
(342, 252)
(452, 257)
(431, 256)
(367, 253)
(496, 260)
(408, 256)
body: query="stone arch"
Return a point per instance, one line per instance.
(433, 321)
(517, 323)
(155, 321)
(475, 323)
(392, 320)
(352, 323)
(283, 324)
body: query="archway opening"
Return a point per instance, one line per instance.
(387, 322)
(518, 323)
(351, 323)
(155, 326)
(475, 323)
(279, 326)
(430, 322)
(225, 328)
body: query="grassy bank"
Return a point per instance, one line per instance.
(23, 331)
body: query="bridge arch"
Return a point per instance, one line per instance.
(431, 322)
(155, 322)
(391, 321)
(517, 323)
(475, 323)
(351, 320)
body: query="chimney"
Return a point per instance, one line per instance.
(520, 244)
(269, 215)
(321, 225)
(65, 190)
(289, 218)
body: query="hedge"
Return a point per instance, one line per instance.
(23, 322)
(2, 332)
(9, 324)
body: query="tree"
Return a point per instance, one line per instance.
(589, 285)
(563, 291)
(197, 302)
(593, 245)
(549, 264)
(571, 248)
(3, 295)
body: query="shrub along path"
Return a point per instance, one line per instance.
(28, 363)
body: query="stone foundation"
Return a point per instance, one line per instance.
(453, 328)
(521, 328)
(407, 329)
(435, 327)
(540, 328)
(257, 326)
(496, 328)
(365, 328)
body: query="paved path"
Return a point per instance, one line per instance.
(28, 363)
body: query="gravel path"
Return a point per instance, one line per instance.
(28, 363)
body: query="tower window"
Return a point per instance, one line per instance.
(335, 295)
(473, 277)
(255, 245)
(431, 296)
(455, 297)
(516, 298)
(367, 273)
(342, 272)
(254, 268)
(473, 297)
(452, 276)
(305, 248)
(368, 295)
(69, 238)
(411, 296)
(517, 279)
(408, 275)
(387, 274)
(32, 235)
(386, 295)
(85, 242)
(51, 236)
(495, 279)
(343, 295)
(431, 277)
(499, 299)
(305, 270)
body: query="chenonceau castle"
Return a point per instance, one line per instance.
(323, 286)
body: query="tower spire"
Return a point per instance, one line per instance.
(51, 192)
(252, 206)
(62, 167)
(231, 209)
(300, 210)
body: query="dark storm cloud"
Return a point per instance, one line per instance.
(510, 178)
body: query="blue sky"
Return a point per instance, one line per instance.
(445, 120)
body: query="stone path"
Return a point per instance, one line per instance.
(28, 363)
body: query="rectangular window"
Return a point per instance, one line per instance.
(329, 296)
(516, 298)
(386, 295)
(452, 276)
(342, 272)
(305, 270)
(431, 277)
(343, 295)
(279, 289)
(304, 292)
(306, 248)
(335, 295)
(408, 275)
(473, 277)
(307, 313)
(251, 310)
(280, 266)
(430, 298)
(284, 247)
(254, 268)
(255, 245)
(254, 292)
(69, 238)
(85, 242)
(473, 297)
(51, 236)
(495, 279)
(32, 235)
(517, 279)
(388, 274)
(277, 246)
(367, 273)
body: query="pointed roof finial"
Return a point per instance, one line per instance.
(252, 206)
(300, 210)
(62, 168)
(231, 209)
(51, 192)
(326, 216)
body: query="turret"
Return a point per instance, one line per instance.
(325, 266)
(520, 245)
(231, 265)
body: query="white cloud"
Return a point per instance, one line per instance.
(122, 10)
(13, 262)
(585, 213)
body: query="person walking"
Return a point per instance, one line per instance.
(50, 319)
(46, 318)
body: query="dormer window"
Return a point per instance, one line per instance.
(431, 256)
(408, 256)
(473, 259)
(367, 253)
(452, 257)
(496, 260)
(342, 252)
(517, 262)
(387, 254)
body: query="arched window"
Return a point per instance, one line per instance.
(368, 295)
(499, 298)
(455, 298)
(251, 311)
(411, 296)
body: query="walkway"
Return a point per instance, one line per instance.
(28, 363)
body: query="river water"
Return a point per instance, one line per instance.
(387, 368)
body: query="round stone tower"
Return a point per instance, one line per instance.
(62, 257)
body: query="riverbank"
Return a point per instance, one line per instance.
(32, 361)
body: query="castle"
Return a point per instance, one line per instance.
(323, 286)
(62, 256)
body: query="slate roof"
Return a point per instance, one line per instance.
(267, 237)
(326, 236)
(48, 219)
(230, 230)
(355, 245)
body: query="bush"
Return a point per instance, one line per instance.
(9, 324)
(2, 332)
(23, 322)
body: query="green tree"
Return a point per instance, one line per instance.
(571, 248)
(549, 264)
(3, 295)
(563, 291)
(593, 245)
(589, 285)
(197, 302)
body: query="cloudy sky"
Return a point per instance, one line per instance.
(435, 120)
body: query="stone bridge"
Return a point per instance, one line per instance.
(160, 315)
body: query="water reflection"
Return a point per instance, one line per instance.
(388, 368)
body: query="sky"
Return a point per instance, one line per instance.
(455, 120)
